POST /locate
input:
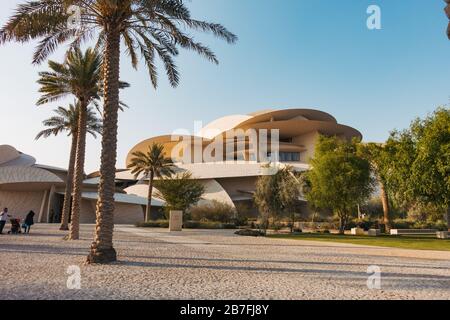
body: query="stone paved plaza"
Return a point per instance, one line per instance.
(154, 264)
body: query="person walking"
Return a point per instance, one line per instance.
(3, 218)
(29, 221)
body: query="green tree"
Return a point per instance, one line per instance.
(290, 186)
(339, 179)
(431, 168)
(180, 192)
(66, 120)
(401, 147)
(419, 166)
(278, 194)
(148, 28)
(267, 198)
(152, 164)
(380, 159)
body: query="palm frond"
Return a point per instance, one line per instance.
(66, 120)
(149, 28)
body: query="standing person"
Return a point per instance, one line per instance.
(3, 218)
(29, 221)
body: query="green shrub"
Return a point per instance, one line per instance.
(252, 224)
(366, 224)
(326, 231)
(153, 224)
(240, 221)
(250, 233)
(214, 211)
(208, 225)
(187, 225)
(360, 223)
(245, 210)
(318, 225)
(411, 224)
(197, 224)
(439, 225)
(401, 224)
(426, 213)
(276, 226)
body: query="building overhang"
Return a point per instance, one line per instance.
(295, 128)
(27, 178)
(9, 156)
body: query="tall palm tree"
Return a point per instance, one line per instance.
(148, 28)
(153, 164)
(66, 120)
(80, 75)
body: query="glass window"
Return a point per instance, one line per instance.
(285, 156)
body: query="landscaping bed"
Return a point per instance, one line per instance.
(404, 242)
(188, 225)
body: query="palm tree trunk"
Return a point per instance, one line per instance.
(102, 250)
(293, 222)
(385, 202)
(342, 222)
(447, 11)
(78, 176)
(148, 211)
(341, 225)
(448, 218)
(69, 185)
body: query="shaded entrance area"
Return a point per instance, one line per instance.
(56, 207)
(29, 188)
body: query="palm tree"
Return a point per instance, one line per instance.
(66, 120)
(152, 164)
(79, 75)
(148, 28)
(447, 11)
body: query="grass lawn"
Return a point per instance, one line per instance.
(404, 242)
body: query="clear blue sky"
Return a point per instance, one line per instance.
(291, 53)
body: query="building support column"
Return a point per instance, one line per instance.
(49, 203)
(41, 211)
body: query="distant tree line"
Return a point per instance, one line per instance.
(410, 172)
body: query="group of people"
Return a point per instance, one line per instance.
(15, 223)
